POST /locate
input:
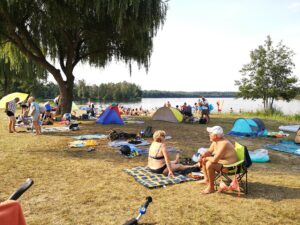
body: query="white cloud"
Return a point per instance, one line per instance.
(295, 6)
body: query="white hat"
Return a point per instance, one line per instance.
(215, 130)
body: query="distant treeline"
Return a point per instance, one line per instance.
(122, 91)
(182, 94)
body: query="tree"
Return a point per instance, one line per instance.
(87, 31)
(19, 75)
(268, 76)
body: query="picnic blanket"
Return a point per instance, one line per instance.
(90, 136)
(285, 146)
(152, 180)
(82, 143)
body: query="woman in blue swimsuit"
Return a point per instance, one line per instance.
(159, 159)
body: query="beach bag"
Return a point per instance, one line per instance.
(202, 121)
(297, 138)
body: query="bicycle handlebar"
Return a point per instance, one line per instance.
(142, 211)
(24, 187)
(148, 201)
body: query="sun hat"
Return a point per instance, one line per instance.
(215, 130)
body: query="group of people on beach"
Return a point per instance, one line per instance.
(131, 111)
(29, 108)
(200, 108)
(220, 152)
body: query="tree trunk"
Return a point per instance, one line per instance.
(65, 92)
(66, 98)
(271, 104)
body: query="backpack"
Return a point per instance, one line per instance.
(297, 137)
(125, 150)
(203, 121)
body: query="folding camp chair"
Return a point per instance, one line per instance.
(238, 169)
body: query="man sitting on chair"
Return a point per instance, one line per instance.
(221, 152)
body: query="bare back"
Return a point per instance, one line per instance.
(155, 151)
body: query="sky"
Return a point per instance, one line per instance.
(204, 43)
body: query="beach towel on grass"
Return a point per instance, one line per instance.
(90, 136)
(83, 143)
(152, 180)
(119, 143)
(290, 128)
(134, 121)
(285, 146)
(54, 129)
(278, 134)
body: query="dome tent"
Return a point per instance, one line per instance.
(248, 127)
(110, 116)
(168, 114)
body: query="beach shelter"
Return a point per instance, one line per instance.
(248, 127)
(74, 107)
(168, 114)
(110, 116)
(9, 97)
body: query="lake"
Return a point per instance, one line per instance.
(236, 104)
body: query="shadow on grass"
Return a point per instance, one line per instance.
(274, 193)
(271, 192)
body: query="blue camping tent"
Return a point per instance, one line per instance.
(110, 116)
(248, 127)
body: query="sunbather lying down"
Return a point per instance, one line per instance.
(159, 159)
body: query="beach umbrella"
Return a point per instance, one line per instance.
(9, 97)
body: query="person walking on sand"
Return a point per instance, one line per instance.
(34, 111)
(10, 110)
(221, 152)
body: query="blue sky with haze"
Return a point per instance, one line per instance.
(203, 44)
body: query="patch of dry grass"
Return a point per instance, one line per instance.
(73, 186)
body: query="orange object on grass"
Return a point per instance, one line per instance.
(11, 213)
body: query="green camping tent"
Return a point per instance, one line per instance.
(168, 114)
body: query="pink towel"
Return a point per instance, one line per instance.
(11, 213)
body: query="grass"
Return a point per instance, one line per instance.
(73, 186)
